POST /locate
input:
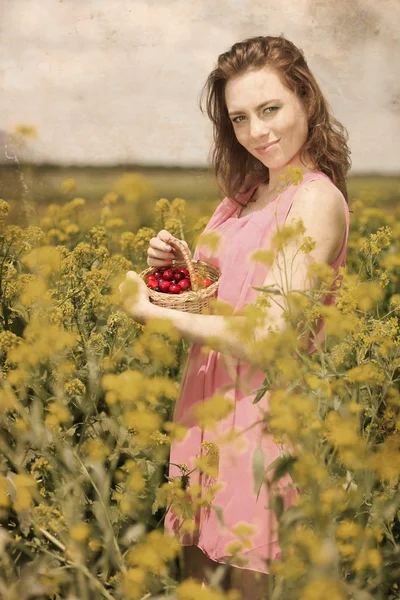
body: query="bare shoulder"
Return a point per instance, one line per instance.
(320, 205)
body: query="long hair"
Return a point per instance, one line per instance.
(233, 167)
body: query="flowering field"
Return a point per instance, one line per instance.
(87, 396)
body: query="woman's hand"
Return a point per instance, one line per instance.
(160, 253)
(135, 297)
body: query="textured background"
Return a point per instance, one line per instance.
(118, 81)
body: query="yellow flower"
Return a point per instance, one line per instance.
(135, 480)
(40, 464)
(287, 233)
(80, 532)
(233, 547)
(178, 208)
(68, 185)
(4, 209)
(307, 245)
(109, 198)
(386, 461)
(176, 431)
(8, 400)
(212, 410)
(163, 326)
(347, 529)
(374, 558)
(210, 239)
(347, 551)
(244, 529)
(96, 450)
(132, 187)
(366, 373)
(24, 485)
(57, 413)
(323, 588)
(190, 589)
(94, 545)
(376, 242)
(368, 558)
(75, 387)
(45, 260)
(308, 469)
(34, 291)
(154, 552)
(4, 498)
(264, 256)
(134, 583)
(160, 439)
(114, 223)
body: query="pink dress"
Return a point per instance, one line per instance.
(206, 373)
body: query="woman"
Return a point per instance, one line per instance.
(268, 114)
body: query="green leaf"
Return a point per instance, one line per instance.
(274, 464)
(284, 466)
(220, 515)
(292, 515)
(277, 505)
(264, 288)
(261, 392)
(258, 470)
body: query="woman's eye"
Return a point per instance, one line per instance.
(272, 108)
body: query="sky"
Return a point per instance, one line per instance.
(118, 81)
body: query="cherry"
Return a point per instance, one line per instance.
(152, 284)
(157, 274)
(178, 276)
(184, 284)
(184, 271)
(174, 288)
(164, 285)
(157, 289)
(168, 275)
(206, 281)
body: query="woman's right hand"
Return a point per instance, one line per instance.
(160, 253)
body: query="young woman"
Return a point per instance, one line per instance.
(268, 114)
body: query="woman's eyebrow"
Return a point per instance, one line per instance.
(236, 112)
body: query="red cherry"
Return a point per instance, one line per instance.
(184, 284)
(164, 285)
(157, 274)
(174, 288)
(168, 275)
(206, 281)
(184, 271)
(178, 276)
(152, 284)
(151, 278)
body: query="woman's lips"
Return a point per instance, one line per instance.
(265, 149)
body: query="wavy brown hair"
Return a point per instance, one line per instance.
(232, 165)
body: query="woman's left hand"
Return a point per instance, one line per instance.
(135, 297)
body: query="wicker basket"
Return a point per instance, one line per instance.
(196, 300)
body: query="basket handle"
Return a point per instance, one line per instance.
(188, 260)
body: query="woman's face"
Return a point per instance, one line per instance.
(265, 111)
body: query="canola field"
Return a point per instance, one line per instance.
(87, 394)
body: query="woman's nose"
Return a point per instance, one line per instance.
(258, 128)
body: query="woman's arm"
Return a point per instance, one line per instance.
(324, 222)
(210, 330)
